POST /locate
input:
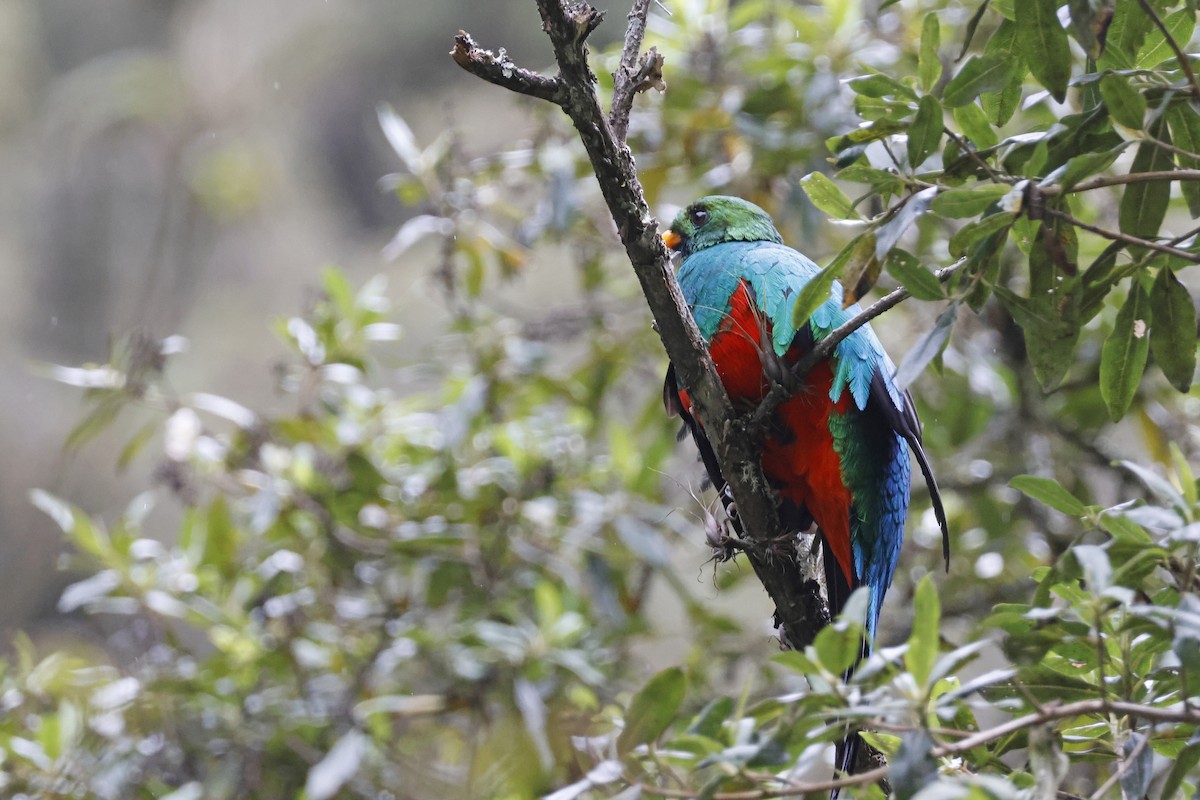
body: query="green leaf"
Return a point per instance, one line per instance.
(1098, 280)
(1096, 566)
(925, 133)
(1183, 470)
(879, 129)
(881, 181)
(1049, 492)
(105, 410)
(1144, 205)
(927, 348)
(80, 529)
(837, 646)
(987, 73)
(1173, 335)
(1090, 24)
(904, 216)
(1126, 105)
(1002, 104)
(1050, 324)
(1185, 762)
(973, 122)
(326, 778)
(796, 661)
(1084, 166)
(1155, 50)
(220, 543)
(474, 274)
(967, 235)
(1047, 761)
(1053, 258)
(969, 201)
(1156, 484)
(929, 65)
(816, 291)
(880, 85)
(712, 717)
(338, 290)
(920, 282)
(923, 642)
(59, 510)
(1125, 35)
(1184, 125)
(1043, 43)
(913, 768)
(826, 196)
(886, 743)
(652, 709)
(972, 26)
(1123, 358)
(135, 445)
(860, 273)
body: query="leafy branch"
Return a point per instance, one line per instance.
(1185, 62)
(1046, 713)
(1124, 238)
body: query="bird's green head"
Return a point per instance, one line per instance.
(716, 219)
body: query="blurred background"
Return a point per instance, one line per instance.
(188, 167)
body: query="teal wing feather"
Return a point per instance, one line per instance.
(777, 273)
(873, 445)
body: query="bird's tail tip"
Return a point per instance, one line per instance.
(844, 760)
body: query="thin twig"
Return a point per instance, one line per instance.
(792, 789)
(1183, 237)
(1080, 708)
(1121, 770)
(635, 73)
(1132, 177)
(500, 70)
(1180, 56)
(824, 348)
(1048, 713)
(974, 156)
(1172, 148)
(1117, 236)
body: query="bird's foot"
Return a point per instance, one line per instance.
(721, 538)
(728, 502)
(781, 548)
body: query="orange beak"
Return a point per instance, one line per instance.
(671, 239)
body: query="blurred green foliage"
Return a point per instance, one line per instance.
(384, 590)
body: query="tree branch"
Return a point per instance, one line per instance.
(500, 70)
(1117, 236)
(1131, 177)
(1046, 714)
(791, 790)
(635, 74)
(1076, 709)
(800, 609)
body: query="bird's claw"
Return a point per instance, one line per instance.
(722, 540)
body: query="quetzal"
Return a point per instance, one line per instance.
(837, 453)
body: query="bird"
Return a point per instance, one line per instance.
(837, 450)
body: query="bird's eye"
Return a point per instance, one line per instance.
(698, 216)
